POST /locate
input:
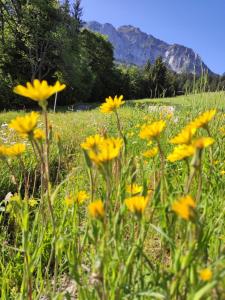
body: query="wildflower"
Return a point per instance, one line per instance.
(203, 142)
(136, 204)
(133, 189)
(39, 134)
(205, 274)
(96, 209)
(92, 142)
(81, 197)
(181, 152)
(26, 124)
(69, 200)
(153, 130)
(203, 119)
(222, 172)
(13, 150)
(106, 150)
(185, 136)
(111, 104)
(184, 207)
(151, 152)
(32, 202)
(39, 90)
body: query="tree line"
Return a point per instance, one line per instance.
(46, 40)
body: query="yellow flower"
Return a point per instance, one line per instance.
(203, 142)
(13, 150)
(153, 130)
(39, 134)
(92, 142)
(111, 104)
(32, 202)
(222, 172)
(184, 207)
(81, 197)
(39, 90)
(203, 119)
(181, 152)
(136, 204)
(222, 130)
(106, 150)
(151, 152)
(96, 209)
(205, 274)
(133, 189)
(185, 136)
(26, 124)
(69, 200)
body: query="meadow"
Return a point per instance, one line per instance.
(130, 213)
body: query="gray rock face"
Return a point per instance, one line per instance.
(132, 46)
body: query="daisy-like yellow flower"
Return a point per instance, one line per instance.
(134, 189)
(25, 125)
(16, 150)
(39, 90)
(106, 150)
(185, 136)
(32, 202)
(136, 204)
(92, 142)
(96, 209)
(203, 142)
(81, 196)
(151, 152)
(153, 130)
(203, 119)
(39, 134)
(181, 152)
(111, 104)
(184, 207)
(205, 274)
(222, 172)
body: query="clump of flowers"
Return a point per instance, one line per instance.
(184, 207)
(111, 104)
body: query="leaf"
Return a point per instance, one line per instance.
(205, 289)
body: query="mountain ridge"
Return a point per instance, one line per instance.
(134, 47)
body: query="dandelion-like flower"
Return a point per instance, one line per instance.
(181, 152)
(96, 209)
(185, 136)
(203, 119)
(79, 198)
(106, 150)
(111, 104)
(26, 124)
(134, 189)
(14, 150)
(151, 152)
(205, 274)
(39, 90)
(136, 204)
(153, 130)
(92, 142)
(203, 142)
(39, 134)
(184, 207)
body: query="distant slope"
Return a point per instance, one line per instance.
(132, 46)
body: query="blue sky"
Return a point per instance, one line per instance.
(198, 24)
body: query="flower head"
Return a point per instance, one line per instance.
(79, 198)
(151, 152)
(134, 189)
(153, 130)
(38, 90)
(203, 119)
(39, 134)
(14, 150)
(184, 207)
(181, 152)
(111, 104)
(203, 142)
(96, 209)
(136, 204)
(92, 142)
(26, 124)
(106, 150)
(185, 136)
(205, 274)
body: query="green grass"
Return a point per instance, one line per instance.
(124, 258)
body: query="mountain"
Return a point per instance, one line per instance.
(132, 46)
